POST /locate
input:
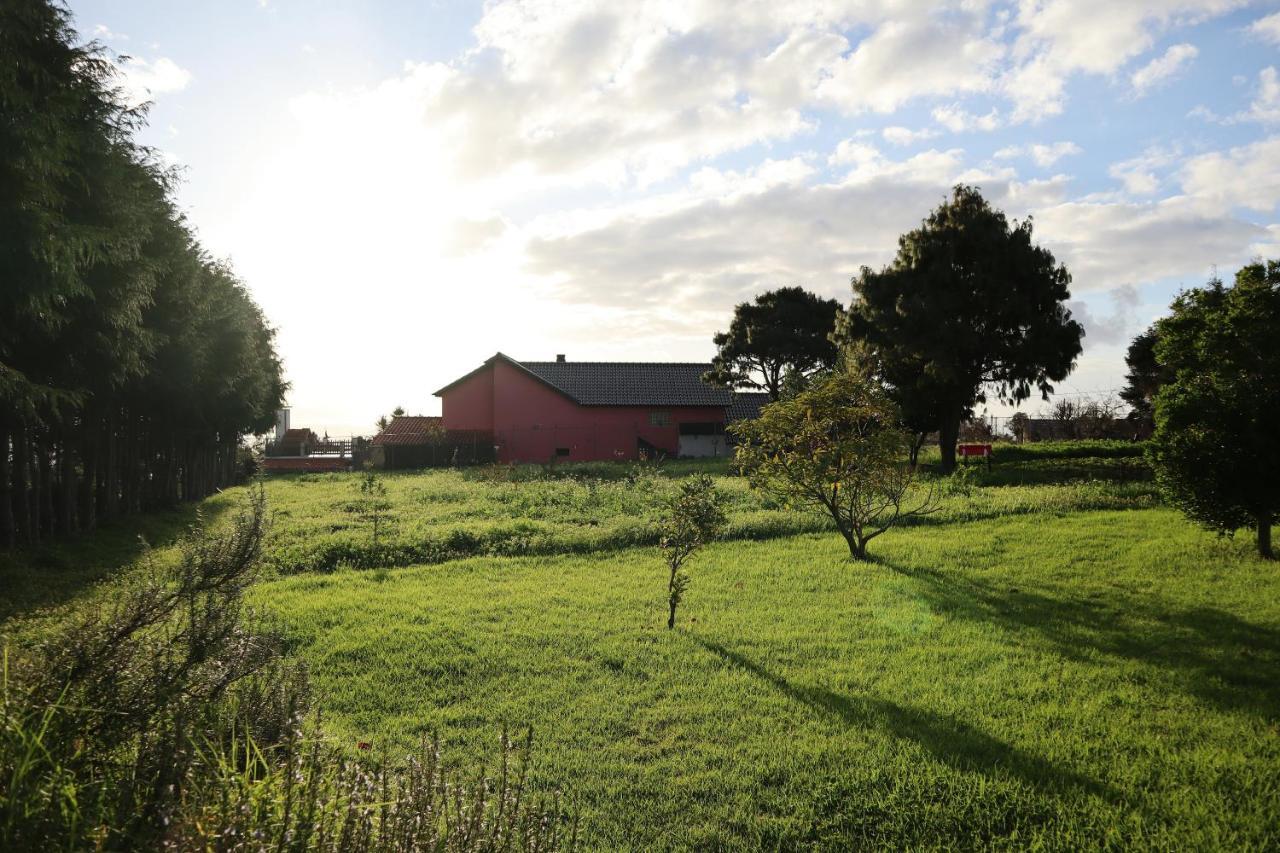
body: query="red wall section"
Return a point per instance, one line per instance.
(469, 405)
(530, 419)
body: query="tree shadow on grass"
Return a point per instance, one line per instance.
(947, 739)
(52, 574)
(1214, 655)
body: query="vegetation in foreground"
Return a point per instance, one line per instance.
(167, 717)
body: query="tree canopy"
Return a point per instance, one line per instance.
(969, 306)
(1215, 451)
(1144, 376)
(783, 332)
(131, 362)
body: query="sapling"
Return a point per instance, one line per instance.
(691, 519)
(373, 491)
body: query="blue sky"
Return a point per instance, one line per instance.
(408, 187)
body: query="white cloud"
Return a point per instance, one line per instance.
(1267, 28)
(143, 80)
(1139, 175)
(1162, 69)
(1043, 155)
(905, 59)
(1059, 38)
(102, 31)
(850, 151)
(720, 247)
(1266, 103)
(1247, 176)
(958, 120)
(897, 135)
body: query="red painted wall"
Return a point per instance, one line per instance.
(469, 405)
(530, 420)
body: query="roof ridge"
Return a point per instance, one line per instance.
(665, 363)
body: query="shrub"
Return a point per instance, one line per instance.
(170, 718)
(835, 448)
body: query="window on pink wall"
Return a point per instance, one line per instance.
(659, 418)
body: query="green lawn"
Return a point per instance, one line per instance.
(1099, 677)
(1053, 660)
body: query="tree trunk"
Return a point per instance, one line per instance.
(68, 490)
(857, 546)
(671, 599)
(1264, 537)
(917, 442)
(111, 480)
(21, 489)
(88, 506)
(948, 434)
(46, 520)
(7, 538)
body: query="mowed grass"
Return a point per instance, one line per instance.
(1056, 679)
(1052, 660)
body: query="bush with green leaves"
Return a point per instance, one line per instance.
(836, 448)
(692, 517)
(1214, 451)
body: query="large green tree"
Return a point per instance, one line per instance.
(970, 306)
(1215, 450)
(784, 332)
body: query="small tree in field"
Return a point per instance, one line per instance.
(835, 448)
(1215, 451)
(693, 517)
(373, 492)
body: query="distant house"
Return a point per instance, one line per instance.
(408, 441)
(296, 442)
(409, 431)
(538, 411)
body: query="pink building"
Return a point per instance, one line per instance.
(578, 411)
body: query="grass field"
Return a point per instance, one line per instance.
(1053, 660)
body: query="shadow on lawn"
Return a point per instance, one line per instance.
(1215, 656)
(49, 575)
(949, 740)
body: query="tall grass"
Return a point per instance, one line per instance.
(514, 511)
(168, 716)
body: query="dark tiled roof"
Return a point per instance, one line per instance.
(746, 405)
(619, 383)
(623, 383)
(297, 436)
(409, 429)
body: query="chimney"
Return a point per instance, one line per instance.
(559, 358)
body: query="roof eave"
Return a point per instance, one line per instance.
(498, 356)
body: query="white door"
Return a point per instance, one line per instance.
(702, 445)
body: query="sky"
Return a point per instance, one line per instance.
(407, 188)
